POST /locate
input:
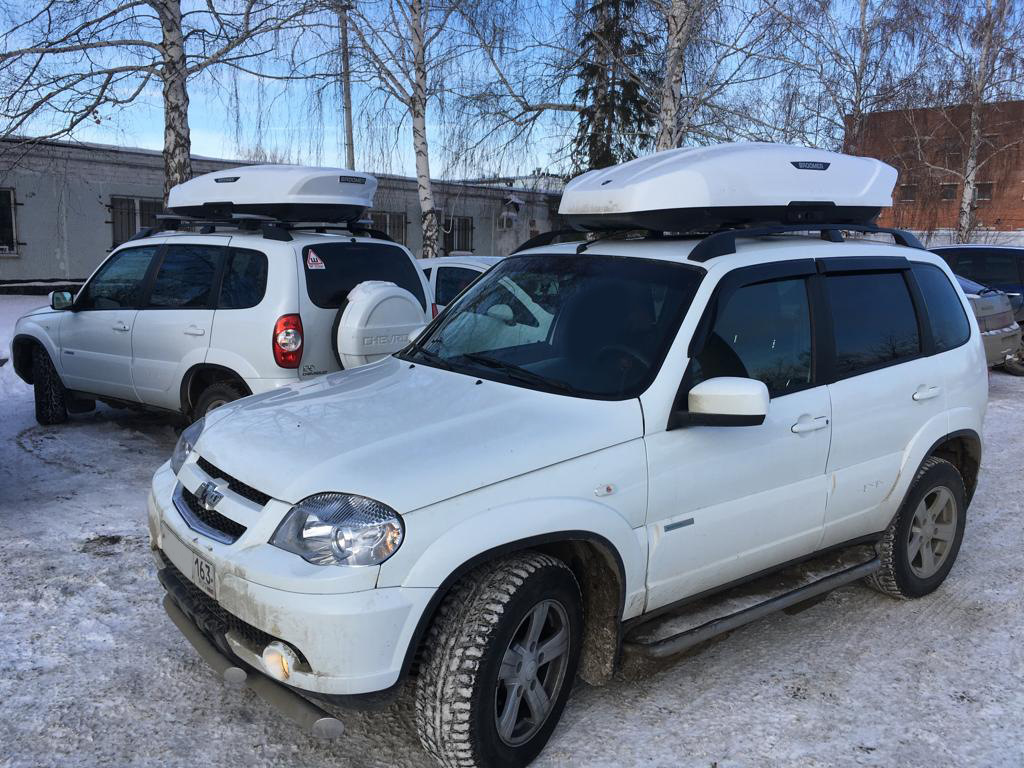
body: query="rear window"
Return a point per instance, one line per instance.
(451, 281)
(245, 280)
(992, 267)
(950, 327)
(334, 269)
(874, 321)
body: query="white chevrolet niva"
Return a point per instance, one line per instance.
(501, 507)
(254, 300)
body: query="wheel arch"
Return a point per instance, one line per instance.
(200, 376)
(600, 571)
(962, 449)
(21, 354)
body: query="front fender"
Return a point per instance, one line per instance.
(41, 329)
(519, 525)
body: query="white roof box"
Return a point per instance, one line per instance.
(710, 188)
(285, 192)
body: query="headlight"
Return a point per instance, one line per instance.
(340, 529)
(186, 443)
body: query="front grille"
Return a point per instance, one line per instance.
(243, 490)
(211, 618)
(211, 517)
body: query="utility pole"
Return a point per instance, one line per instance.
(346, 86)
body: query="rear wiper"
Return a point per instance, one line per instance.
(520, 374)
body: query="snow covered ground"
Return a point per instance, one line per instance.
(93, 673)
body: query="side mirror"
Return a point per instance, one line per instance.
(61, 299)
(726, 401)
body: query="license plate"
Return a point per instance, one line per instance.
(204, 575)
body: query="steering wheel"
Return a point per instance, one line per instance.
(622, 349)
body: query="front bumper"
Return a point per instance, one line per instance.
(349, 643)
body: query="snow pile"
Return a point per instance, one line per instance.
(96, 674)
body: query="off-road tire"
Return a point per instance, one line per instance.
(51, 399)
(895, 577)
(458, 677)
(215, 395)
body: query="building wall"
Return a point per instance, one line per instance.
(923, 144)
(64, 224)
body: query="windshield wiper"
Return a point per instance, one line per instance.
(520, 374)
(427, 356)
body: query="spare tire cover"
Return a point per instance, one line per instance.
(376, 322)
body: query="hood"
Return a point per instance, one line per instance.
(406, 435)
(43, 310)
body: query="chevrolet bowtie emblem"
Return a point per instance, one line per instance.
(207, 495)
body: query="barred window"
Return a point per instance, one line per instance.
(458, 233)
(391, 223)
(8, 234)
(130, 214)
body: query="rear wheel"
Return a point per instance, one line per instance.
(500, 662)
(214, 396)
(921, 544)
(51, 399)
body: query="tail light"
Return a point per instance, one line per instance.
(433, 310)
(287, 341)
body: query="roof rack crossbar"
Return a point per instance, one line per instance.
(546, 238)
(723, 243)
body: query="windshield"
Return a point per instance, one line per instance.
(584, 325)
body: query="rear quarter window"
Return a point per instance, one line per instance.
(333, 269)
(245, 279)
(950, 327)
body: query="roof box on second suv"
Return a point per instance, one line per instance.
(285, 192)
(709, 188)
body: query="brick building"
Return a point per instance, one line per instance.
(929, 147)
(64, 206)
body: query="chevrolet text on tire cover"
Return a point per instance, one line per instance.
(740, 401)
(255, 298)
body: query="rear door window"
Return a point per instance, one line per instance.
(334, 269)
(118, 283)
(451, 281)
(950, 327)
(185, 278)
(873, 319)
(245, 279)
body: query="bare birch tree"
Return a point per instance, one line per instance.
(980, 62)
(65, 63)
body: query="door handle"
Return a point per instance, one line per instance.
(807, 424)
(195, 330)
(120, 327)
(926, 393)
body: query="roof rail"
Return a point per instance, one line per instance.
(723, 243)
(268, 226)
(547, 238)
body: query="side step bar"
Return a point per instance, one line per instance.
(683, 641)
(305, 713)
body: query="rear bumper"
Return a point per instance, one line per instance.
(1001, 344)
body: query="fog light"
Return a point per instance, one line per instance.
(279, 660)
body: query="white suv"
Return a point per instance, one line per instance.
(495, 514)
(189, 321)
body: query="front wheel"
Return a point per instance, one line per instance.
(50, 396)
(500, 663)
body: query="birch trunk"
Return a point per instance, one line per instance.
(177, 138)
(682, 15)
(855, 128)
(418, 111)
